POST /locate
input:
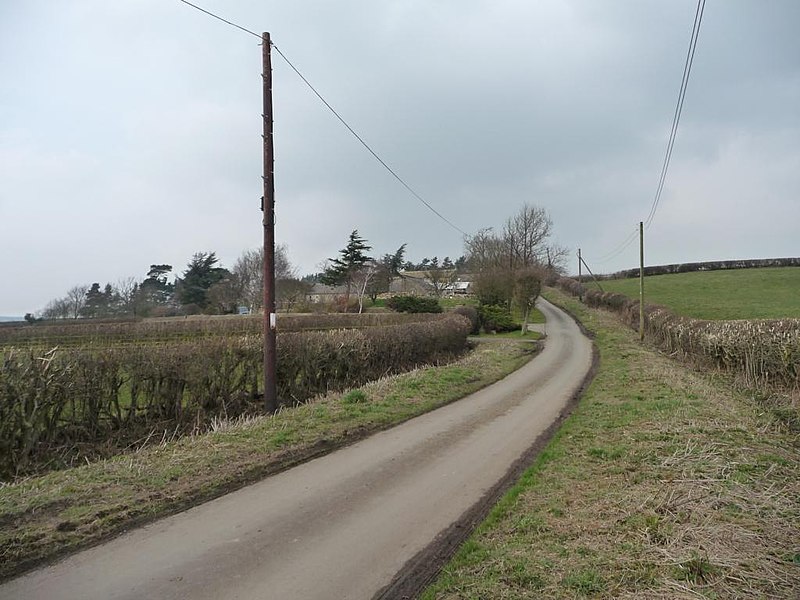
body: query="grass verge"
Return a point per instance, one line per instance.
(47, 516)
(663, 483)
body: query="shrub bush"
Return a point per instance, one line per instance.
(471, 313)
(414, 304)
(497, 319)
(494, 287)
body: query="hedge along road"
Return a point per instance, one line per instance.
(343, 525)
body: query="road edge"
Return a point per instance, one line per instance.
(421, 570)
(284, 460)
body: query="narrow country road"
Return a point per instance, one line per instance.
(340, 526)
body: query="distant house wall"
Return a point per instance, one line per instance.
(320, 292)
(410, 285)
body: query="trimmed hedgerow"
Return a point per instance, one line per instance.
(719, 265)
(84, 331)
(66, 402)
(762, 353)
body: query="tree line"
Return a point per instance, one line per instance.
(501, 265)
(204, 286)
(505, 267)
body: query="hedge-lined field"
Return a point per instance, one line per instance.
(711, 265)
(61, 402)
(762, 353)
(733, 294)
(76, 332)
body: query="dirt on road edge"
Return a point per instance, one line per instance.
(421, 571)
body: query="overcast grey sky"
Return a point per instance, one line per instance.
(130, 131)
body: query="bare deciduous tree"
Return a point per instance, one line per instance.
(288, 292)
(496, 260)
(361, 279)
(557, 256)
(484, 250)
(126, 289)
(526, 235)
(249, 271)
(57, 309)
(76, 298)
(440, 279)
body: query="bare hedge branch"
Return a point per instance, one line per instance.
(53, 400)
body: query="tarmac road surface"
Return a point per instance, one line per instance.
(340, 526)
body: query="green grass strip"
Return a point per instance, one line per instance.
(663, 483)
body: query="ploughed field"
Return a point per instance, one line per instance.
(768, 293)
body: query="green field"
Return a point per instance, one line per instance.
(772, 293)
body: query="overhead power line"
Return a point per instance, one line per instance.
(231, 23)
(676, 118)
(339, 117)
(367, 146)
(619, 249)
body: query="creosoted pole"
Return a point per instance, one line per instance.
(268, 209)
(641, 281)
(580, 276)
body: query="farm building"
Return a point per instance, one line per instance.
(458, 288)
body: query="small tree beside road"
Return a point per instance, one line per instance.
(527, 287)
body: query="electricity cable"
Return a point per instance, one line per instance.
(210, 14)
(338, 116)
(687, 70)
(618, 249)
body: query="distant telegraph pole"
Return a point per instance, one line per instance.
(268, 209)
(641, 281)
(580, 275)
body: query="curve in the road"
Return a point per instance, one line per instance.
(343, 525)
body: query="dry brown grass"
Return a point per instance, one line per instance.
(665, 483)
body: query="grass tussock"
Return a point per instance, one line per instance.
(664, 483)
(43, 516)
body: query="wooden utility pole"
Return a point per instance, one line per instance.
(641, 281)
(580, 261)
(268, 209)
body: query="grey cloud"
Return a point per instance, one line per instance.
(135, 128)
